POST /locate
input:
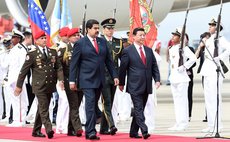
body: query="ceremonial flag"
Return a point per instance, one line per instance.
(60, 18)
(37, 19)
(66, 20)
(141, 16)
(55, 21)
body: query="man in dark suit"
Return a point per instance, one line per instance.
(87, 70)
(46, 69)
(141, 67)
(108, 91)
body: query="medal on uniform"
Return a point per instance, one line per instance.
(53, 60)
(40, 55)
(27, 57)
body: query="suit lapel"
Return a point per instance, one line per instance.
(91, 45)
(146, 55)
(137, 55)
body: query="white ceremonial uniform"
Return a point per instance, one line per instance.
(4, 65)
(19, 103)
(179, 85)
(3, 72)
(208, 70)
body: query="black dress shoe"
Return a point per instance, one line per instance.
(50, 134)
(38, 134)
(146, 135)
(79, 133)
(71, 133)
(93, 137)
(113, 130)
(135, 136)
(104, 132)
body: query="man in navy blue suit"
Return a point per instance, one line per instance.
(141, 67)
(87, 72)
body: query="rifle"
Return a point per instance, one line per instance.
(181, 60)
(216, 39)
(83, 21)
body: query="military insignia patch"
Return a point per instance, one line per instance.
(59, 53)
(27, 57)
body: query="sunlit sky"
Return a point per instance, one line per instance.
(197, 22)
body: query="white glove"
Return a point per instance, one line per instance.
(217, 59)
(181, 68)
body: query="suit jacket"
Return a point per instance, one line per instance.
(87, 67)
(139, 79)
(44, 71)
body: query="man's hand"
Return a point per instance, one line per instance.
(61, 85)
(181, 68)
(157, 84)
(73, 87)
(116, 81)
(216, 59)
(121, 87)
(17, 91)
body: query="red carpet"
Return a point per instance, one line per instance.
(25, 134)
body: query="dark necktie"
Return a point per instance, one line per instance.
(142, 56)
(44, 52)
(181, 60)
(95, 45)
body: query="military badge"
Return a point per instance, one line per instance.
(59, 53)
(38, 61)
(27, 57)
(53, 59)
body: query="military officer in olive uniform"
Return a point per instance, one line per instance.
(108, 91)
(46, 69)
(74, 97)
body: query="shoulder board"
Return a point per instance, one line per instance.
(20, 47)
(32, 49)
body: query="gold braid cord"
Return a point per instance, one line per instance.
(116, 53)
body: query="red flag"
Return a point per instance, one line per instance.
(141, 16)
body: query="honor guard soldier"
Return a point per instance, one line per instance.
(108, 91)
(17, 58)
(4, 59)
(209, 72)
(74, 97)
(62, 118)
(179, 80)
(46, 69)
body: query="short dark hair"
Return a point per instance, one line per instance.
(138, 29)
(27, 34)
(90, 23)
